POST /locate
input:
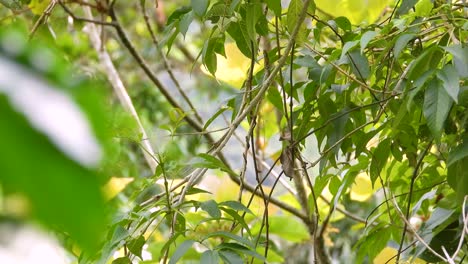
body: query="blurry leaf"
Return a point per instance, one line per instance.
(387, 255)
(347, 46)
(210, 257)
(379, 159)
(366, 38)
(236, 206)
(362, 189)
(457, 177)
(209, 55)
(252, 15)
(38, 6)
(211, 119)
(288, 228)
(357, 11)
(230, 257)
(136, 246)
(211, 207)
(294, 11)
(114, 186)
(122, 260)
(200, 6)
(458, 153)
(460, 59)
(239, 34)
(359, 64)
(423, 8)
(343, 23)
(119, 234)
(180, 251)
(450, 80)
(401, 43)
(405, 6)
(185, 22)
(211, 162)
(195, 190)
(437, 104)
(229, 235)
(274, 5)
(241, 249)
(237, 218)
(372, 244)
(62, 193)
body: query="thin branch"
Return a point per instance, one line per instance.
(119, 88)
(410, 195)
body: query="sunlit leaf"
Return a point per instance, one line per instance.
(356, 11)
(114, 186)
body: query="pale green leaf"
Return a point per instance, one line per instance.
(200, 6)
(210, 257)
(211, 207)
(450, 80)
(460, 59)
(401, 43)
(274, 5)
(366, 38)
(180, 251)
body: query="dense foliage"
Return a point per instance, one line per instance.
(259, 131)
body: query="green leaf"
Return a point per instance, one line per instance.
(210, 257)
(347, 46)
(211, 207)
(450, 80)
(185, 22)
(423, 8)
(457, 177)
(200, 6)
(209, 55)
(294, 11)
(343, 23)
(229, 235)
(136, 246)
(211, 162)
(237, 218)
(379, 159)
(230, 257)
(401, 43)
(219, 112)
(236, 206)
(359, 64)
(241, 249)
(122, 260)
(62, 193)
(274, 5)
(373, 243)
(181, 250)
(366, 38)
(460, 59)
(458, 153)
(287, 228)
(238, 32)
(252, 15)
(405, 6)
(437, 104)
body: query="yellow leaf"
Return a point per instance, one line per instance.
(362, 188)
(357, 11)
(388, 253)
(232, 69)
(114, 186)
(38, 6)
